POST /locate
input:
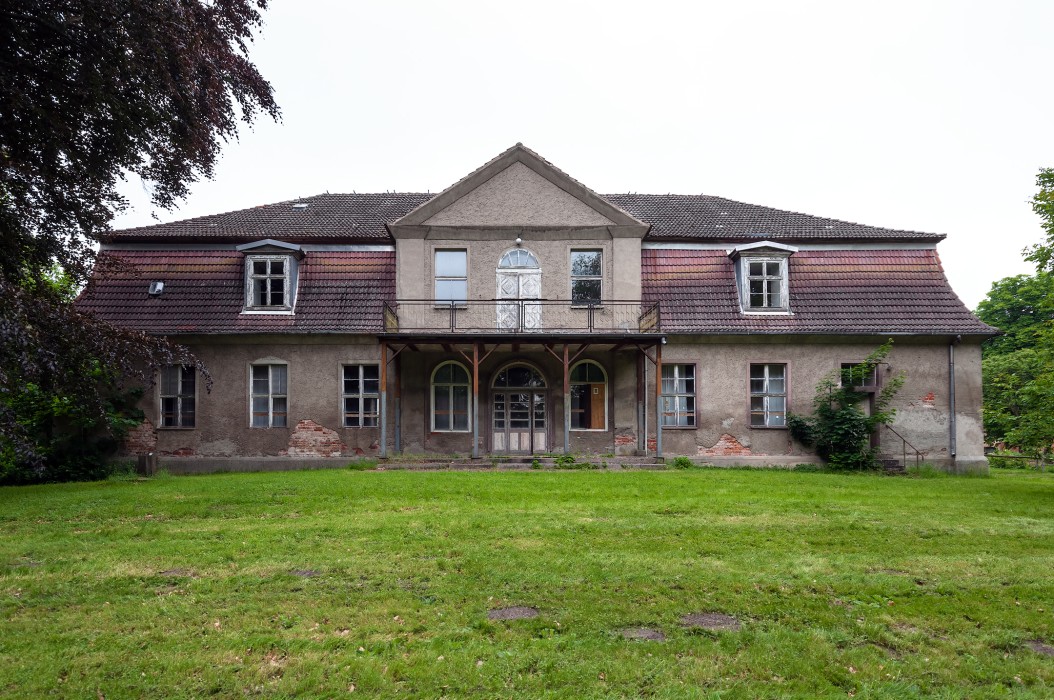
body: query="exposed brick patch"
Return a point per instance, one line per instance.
(182, 452)
(929, 400)
(141, 439)
(727, 446)
(309, 439)
(652, 444)
(625, 439)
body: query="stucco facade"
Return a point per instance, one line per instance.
(520, 312)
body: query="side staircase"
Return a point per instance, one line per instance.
(525, 463)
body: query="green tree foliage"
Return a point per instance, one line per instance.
(1018, 367)
(1043, 205)
(838, 428)
(1022, 307)
(90, 92)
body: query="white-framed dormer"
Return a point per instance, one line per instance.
(271, 276)
(763, 277)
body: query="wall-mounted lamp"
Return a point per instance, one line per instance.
(519, 241)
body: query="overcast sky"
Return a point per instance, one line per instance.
(930, 116)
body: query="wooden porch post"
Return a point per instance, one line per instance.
(475, 400)
(397, 368)
(567, 403)
(658, 400)
(384, 400)
(642, 417)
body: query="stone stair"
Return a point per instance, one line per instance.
(526, 463)
(891, 465)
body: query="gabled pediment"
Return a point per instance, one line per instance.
(519, 189)
(762, 248)
(269, 245)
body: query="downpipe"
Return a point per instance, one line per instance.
(951, 395)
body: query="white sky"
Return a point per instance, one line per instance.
(930, 116)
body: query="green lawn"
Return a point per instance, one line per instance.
(845, 585)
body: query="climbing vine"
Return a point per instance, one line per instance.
(838, 428)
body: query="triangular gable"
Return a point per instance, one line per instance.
(519, 188)
(762, 248)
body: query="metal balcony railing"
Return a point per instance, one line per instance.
(609, 316)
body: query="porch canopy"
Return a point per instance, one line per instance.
(568, 331)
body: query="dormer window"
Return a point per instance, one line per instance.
(762, 277)
(766, 280)
(270, 276)
(268, 281)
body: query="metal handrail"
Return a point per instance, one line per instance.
(905, 446)
(521, 316)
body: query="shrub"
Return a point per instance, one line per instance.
(682, 462)
(838, 429)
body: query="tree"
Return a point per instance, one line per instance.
(838, 427)
(91, 91)
(1022, 307)
(1043, 205)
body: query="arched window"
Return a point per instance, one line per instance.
(589, 396)
(518, 258)
(519, 377)
(450, 390)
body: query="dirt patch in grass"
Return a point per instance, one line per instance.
(714, 622)
(304, 573)
(645, 633)
(176, 573)
(1040, 647)
(516, 612)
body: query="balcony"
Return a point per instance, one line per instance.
(521, 317)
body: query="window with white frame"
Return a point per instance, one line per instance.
(587, 271)
(766, 281)
(178, 396)
(678, 396)
(859, 375)
(268, 282)
(589, 396)
(450, 391)
(360, 395)
(269, 397)
(768, 396)
(451, 275)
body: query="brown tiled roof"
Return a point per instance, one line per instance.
(344, 218)
(359, 218)
(702, 217)
(836, 291)
(340, 292)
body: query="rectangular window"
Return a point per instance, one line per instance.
(268, 286)
(859, 375)
(586, 276)
(269, 396)
(768, 396)
(451, 270)
(177, 396)
(765, 284)
(678, 395)
(360, 395)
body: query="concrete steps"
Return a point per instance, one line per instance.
(524, 463)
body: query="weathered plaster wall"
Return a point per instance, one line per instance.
(315, 414)
(722, 391)
(518, 196)
(723, 434)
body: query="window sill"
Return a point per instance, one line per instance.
(453, 432)
(267, 312)
(769, 427)
(177, 427)
(679, 427)
(589, 430)
(763, 312)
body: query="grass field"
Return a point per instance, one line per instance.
(378, 584)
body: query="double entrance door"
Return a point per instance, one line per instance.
(518, 411)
